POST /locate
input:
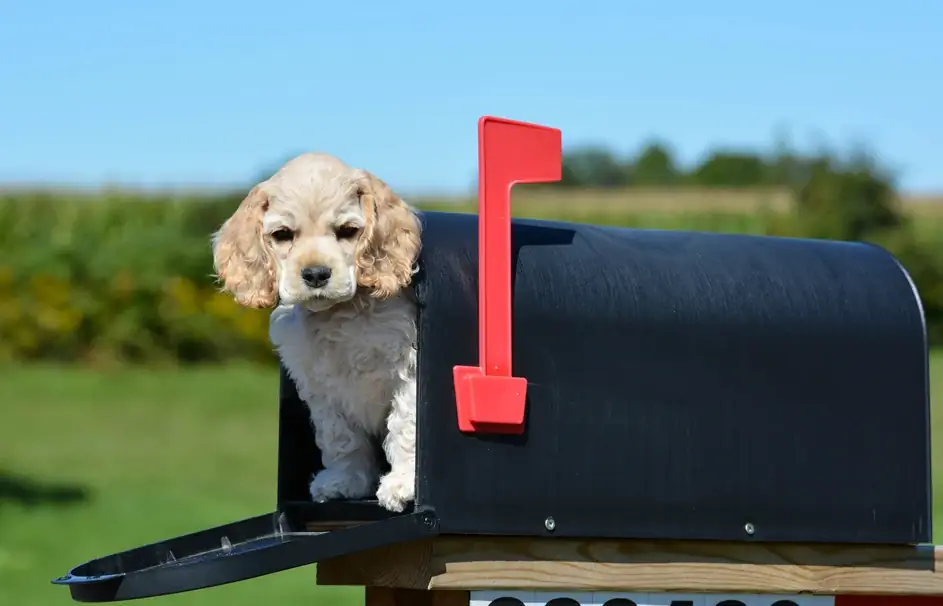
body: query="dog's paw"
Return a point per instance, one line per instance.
(341, 484)
(396, 490)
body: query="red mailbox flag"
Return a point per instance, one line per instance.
(488, 397)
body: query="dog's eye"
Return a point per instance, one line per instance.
(283, 235)
(348, 231)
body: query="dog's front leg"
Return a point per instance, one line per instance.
(398, 487)
(347, 455)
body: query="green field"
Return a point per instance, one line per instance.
(159, 454)
(97, 462)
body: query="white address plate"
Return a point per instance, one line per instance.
(595, 598)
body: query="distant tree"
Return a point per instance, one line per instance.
(724, 168)
(593, 167)
(850, 200)
(785, 166)
(655, 166)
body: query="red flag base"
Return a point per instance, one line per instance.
(489, 403)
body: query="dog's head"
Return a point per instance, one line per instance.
(315, 233)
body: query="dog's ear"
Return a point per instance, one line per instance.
(390, 243)
(243, 261)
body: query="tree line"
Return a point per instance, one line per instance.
(656, 165)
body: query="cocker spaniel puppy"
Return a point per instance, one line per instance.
(333, 250)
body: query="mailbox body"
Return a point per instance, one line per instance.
(680, 386)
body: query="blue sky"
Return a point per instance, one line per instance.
(158, 93)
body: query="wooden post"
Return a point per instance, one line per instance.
(389, 596)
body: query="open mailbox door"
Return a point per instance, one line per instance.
(235, 552)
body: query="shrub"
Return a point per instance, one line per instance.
(120, 278)
(846, 201)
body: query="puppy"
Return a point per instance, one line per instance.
(333, 250)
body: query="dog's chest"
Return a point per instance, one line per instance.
(352, 362)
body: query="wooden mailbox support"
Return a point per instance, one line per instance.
(690, 419)
(458, 568)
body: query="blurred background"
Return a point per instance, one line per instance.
(137, 404)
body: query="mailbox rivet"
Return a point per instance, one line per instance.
(749, 528)
(550, 524)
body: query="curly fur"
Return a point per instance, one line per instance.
(241, 259)
(384, 255)
(349, 344)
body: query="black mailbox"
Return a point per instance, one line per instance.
(682, 385)
(678, 386)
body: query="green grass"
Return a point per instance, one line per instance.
(161, 453)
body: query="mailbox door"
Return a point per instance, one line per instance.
(234, 552)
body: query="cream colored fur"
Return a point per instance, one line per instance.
(347, 340)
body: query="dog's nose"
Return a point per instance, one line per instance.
(317, 276)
